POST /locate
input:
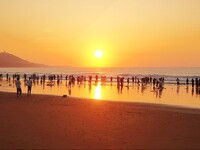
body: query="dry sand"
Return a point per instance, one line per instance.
(44, 122)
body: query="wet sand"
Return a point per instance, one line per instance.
(44, 122)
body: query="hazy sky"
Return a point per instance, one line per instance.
(131, 33)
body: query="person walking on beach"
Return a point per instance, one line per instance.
(18, 86)
(29, 83)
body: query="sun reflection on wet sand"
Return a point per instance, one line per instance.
(97, 92)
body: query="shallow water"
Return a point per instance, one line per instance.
(181, 95)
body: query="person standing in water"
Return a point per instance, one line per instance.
(18, 86)
(187, 81)
(178, 81)
(192, 83)
(29, 83)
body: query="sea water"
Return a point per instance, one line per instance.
(172, 94)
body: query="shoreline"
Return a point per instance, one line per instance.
(46, 121)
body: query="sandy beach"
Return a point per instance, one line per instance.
(45, 122)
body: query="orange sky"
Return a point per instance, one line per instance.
(131, 33)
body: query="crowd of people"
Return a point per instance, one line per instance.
(195, 82)
(158, 83)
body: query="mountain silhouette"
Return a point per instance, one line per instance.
(10, 60)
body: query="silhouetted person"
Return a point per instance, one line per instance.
(192, 83)
(132, 79)
(138, 82)
(7, 76)
(122, 83)
(196, 81)
(118, 80)
(154, 82)
(160, 84)
(24, 76)
(187, 81)
(178, 81)
(29, 83)
(18, 86)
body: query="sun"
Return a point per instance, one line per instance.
(98, 54)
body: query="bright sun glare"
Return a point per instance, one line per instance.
(98, 53)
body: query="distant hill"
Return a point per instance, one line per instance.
(9, 60)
